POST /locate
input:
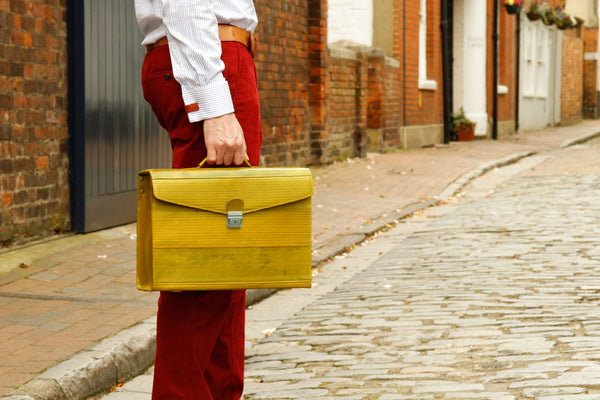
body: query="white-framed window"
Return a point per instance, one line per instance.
(424, 83)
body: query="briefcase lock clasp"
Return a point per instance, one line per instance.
(234, 219)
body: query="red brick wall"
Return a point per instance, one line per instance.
(283, 67)
(344, 113)
(376, 91)
(572, 76)
(363, 102)
(410, 58)
(383, 112)
(34, 191)
(590, 91)
(391, 106)
(319, 83)
(399, 53)
(418, 107)
(507, 64)
(431, 109)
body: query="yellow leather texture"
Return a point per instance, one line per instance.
(183, 238)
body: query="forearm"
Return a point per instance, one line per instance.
(195, 51)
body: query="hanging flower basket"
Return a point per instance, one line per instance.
(535, 11)
(549, 17)
(513, 6)
(512, 9)
(563, 20)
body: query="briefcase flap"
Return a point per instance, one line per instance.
(213, 189)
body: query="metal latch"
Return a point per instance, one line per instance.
(234, 219)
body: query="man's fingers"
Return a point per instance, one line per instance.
(228, 157)
(224, 139)
(211, 155)
(239, 157)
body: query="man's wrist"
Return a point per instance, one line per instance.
(208, 102)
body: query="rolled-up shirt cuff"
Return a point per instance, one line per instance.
(207, 102)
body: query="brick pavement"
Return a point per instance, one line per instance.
(69, 299)
(64, 303)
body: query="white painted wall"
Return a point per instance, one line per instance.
(383, 25)
(350, 20)
(585, 9)
(458, 49)
(473, 64)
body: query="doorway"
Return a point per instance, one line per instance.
(539, 75)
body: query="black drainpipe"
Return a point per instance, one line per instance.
(446, 68)
(495, 36)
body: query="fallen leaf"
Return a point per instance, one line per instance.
(118, 385)
(268, 332)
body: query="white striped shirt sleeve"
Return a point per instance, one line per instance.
(191, 27)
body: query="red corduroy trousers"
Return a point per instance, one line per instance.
(200, 335)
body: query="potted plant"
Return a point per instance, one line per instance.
(563, 20)
(513, 6)
(463, 129)
(535, 11)
(549, 16)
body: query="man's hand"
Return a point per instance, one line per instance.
(224, 139)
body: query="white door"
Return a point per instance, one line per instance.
(538, 75)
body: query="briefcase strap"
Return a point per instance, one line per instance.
(245, 162)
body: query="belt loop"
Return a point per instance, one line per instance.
(160, 42)
(253, 44)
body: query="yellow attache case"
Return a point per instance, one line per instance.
(224, 228)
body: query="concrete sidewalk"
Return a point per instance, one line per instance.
(72, 322)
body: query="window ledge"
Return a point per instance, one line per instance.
(426, 84)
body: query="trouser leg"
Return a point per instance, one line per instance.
(200, 345)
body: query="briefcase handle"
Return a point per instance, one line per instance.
(206, 158)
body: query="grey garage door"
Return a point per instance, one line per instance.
(113, 133)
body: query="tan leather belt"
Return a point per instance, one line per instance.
(227, 33)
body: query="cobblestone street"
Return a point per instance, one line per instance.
(425, 226)
(494, 296)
